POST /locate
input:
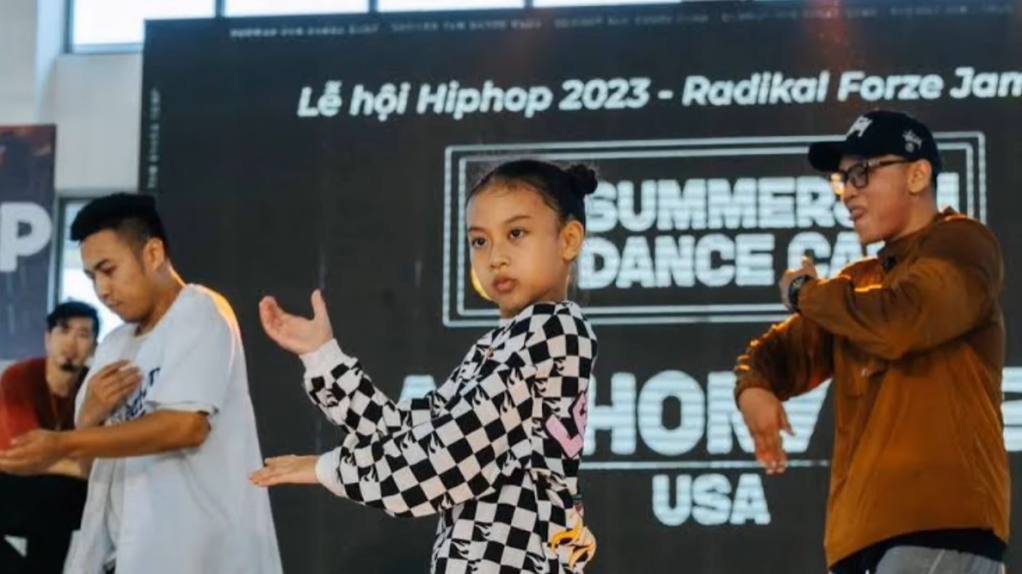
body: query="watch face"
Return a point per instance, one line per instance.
(793, 288)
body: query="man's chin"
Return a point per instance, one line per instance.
(867, 236)
(69, 367)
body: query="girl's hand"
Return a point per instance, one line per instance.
(293, 333)
(289, 469)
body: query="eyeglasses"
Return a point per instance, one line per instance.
(858, 174)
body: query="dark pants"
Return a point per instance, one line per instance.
(44, 510)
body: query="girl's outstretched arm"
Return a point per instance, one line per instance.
(335, 382)
(483, 434)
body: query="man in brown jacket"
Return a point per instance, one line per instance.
(913, 340)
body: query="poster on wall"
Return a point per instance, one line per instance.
(290, 154)
(26, 234)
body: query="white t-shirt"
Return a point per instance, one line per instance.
(115, 500)
(191, 510)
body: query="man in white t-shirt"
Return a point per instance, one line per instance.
(165, 414)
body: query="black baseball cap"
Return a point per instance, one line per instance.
(875, 134)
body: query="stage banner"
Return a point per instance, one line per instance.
(336, 152)
(26, 235)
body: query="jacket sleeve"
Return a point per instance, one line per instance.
(481, 437)
(790, 359)
(347, 396)
(946, 292)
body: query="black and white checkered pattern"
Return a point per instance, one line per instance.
(495, 449)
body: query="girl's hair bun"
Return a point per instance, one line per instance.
(583, 179)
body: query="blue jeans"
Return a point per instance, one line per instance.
(918, 560)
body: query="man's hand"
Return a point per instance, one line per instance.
(33, 453)
(764, 415)
(70, 467)
(107, 390)
(808, 270)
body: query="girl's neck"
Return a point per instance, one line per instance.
(508, 314)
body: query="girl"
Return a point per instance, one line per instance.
(496, 449)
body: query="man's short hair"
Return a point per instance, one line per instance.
(132, 216)
(62, 313)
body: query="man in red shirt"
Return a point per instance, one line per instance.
(39, 393)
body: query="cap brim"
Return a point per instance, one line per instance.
(826, 156)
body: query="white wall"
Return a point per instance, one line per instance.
(18, 89)
(97, 106)
(95, 100)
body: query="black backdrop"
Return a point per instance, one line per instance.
(277, 174)
(26, 231)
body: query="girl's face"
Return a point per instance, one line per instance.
(520, 252)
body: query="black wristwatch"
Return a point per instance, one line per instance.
(793, 289)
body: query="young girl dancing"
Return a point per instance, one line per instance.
(495, 450)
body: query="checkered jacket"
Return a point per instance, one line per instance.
(495, 450)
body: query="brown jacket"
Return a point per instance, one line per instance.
(916, 354)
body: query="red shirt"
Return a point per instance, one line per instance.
(26, 402)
